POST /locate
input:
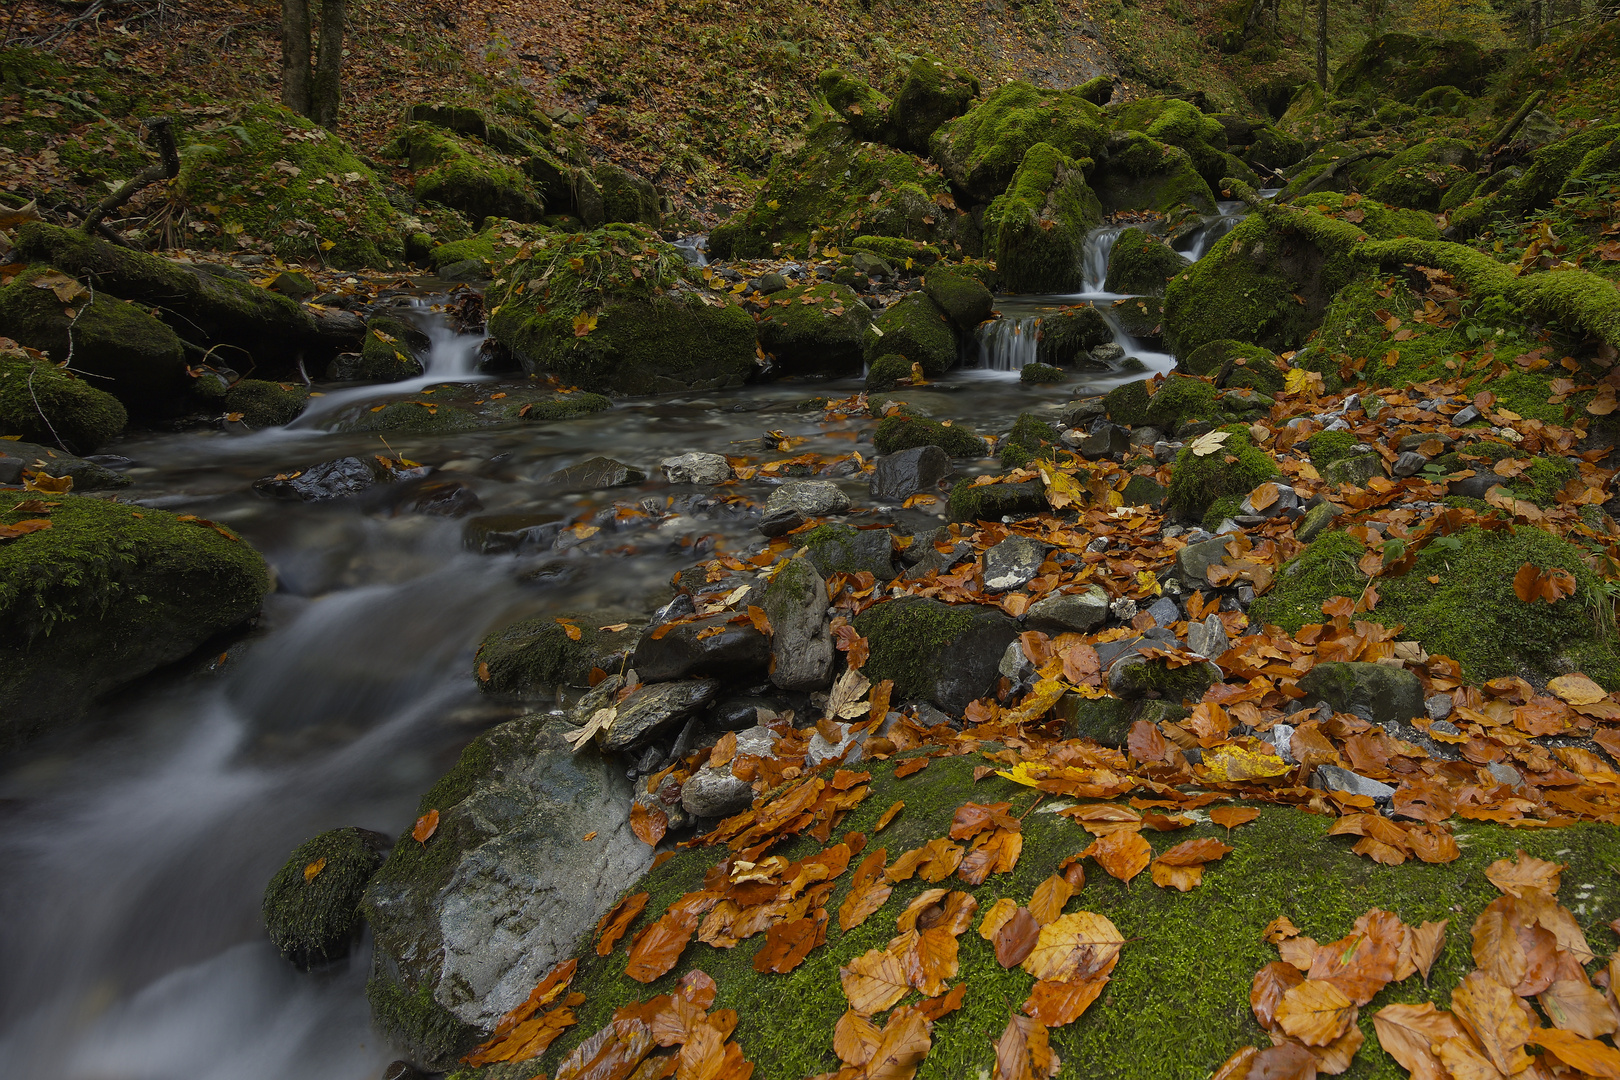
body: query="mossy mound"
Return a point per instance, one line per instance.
(266, 404)
(1198, 481)
(863, 108)
(933, 92)
(992, 502)
(1041, 373)
(388, 354)
(312, 906)
(536, 657)
(110, 592)
(609, 193)
(828, 189)
(898, 251)
(1128, 403)
(1567, 163)
(1067, 334)
(43, 403)
(466, 175)
(1180, 400)
(1141, 173)
(916, 329)
(1030, 437)
(1141, 263)
(268, 173)
(1036, 231)
(887, 372)
(1179, 123)
(1472, 615)
(961, 295)
(618, 310)
(815, 329)
(1420, 176)
(449, 408)
(1326, 447)
(981, 150)
(1403, 66)
(494, 245)
(900, 432)
(1187, 965)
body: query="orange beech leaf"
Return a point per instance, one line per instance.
(1496, 1020)
(698, 987)
(929, 958)
(701, 1057)
(1460, 1056)
(1587, 1055)
(863, 899)
(913, 765)
(1379, 852)
(1024, 1052)
(1315, 1012)
(526, 1041)
(1057, 1003)
(676, 1019)
(613, 925)
(1122, 854)
(926, 899)
(888, 816)
(1266, 992)
(657, 948)
(934, 1008)
(1576, 689)
(1557, 920)
(1162, 823)
(1572, 1004)
(1362, 963)
(1237, 1066)
(1335, 1057)
(996, 853)
(940, 860)
(1047, 904)
(425, 827)
(1408, 1033)
(1298, 951)
(996, 917)
(1016, 938)
(873, 982)
(546, 991)
(649, 826)
(1195, 852)
(855, 1038)
(1427, 941)
(1433, 844)
(1279, 929)
(1525, 871)
(761, 621)
(788, 943)
(971, 819)
(1074, 946)
(1180, 878)
(902, 1045)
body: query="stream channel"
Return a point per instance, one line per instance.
(136, 848)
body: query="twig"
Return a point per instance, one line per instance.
(161, 133)
(49, 426)
(1512, 125)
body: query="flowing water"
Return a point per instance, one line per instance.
(136, 847)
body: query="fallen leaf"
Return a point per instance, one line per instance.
(1024, 1051)
(1525, 871)
(1587, 1055)
(1233, 816)
(1016, 938)
(873, 982)
(425, 827)
(657, 948)
(612, 926)
(1408, 1034)
(313, 870)
(649, 826)
(1122, 854)
(1495, 1019)
(1074, 946)
(855, 1038)
(1315, 1012)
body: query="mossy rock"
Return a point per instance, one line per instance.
(1213, 357)
(899, 432)
(1128, 403)
(815, 329)
(116, 346)
(898, 251)
(1558, 165)
(834, 548)
(262, 403)
(110, 592)
(1326, 447)
(933, 92)
(1274, 149)
(1041, 373)
(448, 408)
(1472, 615)
(917, 329)
(887, 372)
(962, 296)
(647, 323)
(535, 658)
(494, 245)
(391, 352)
(1179, 123)
(1197, 482)
(1141, 263)
(1030, 436)
(1420, 176)
(1189, 959)
(992, 502)
(312, 905)
(864, 109)
(981, 150)
(1403, 66)
(1037, 229)
(614, 194)
(1068, 334)
(943, 653)
(1142, 173)
(43, 403)
(1178, 400)
(323, 193)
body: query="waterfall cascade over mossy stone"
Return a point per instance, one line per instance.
(1037, 229)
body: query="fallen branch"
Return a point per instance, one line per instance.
(1507, 130)
(161, 134)
(1328, 173)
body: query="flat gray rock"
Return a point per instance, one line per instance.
(1208, 637)
(696, 468)
(896, 477)
(809, 498)
(801, 636)
(1070, 612)
(712, 792)
(649, 710)
(1012, 563)
(1333, 778)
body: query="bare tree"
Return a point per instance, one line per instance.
(328, 66)
(295, 71)
(1321, 42)
(312, 91)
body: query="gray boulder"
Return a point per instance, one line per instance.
(466, 923)
(1194, 560)
(650, 709)
(683, 651)
(897, 477)
(808, 498)
(801, 640)
(1068, 612)
(942, 653)
(594, 474)
(1208, 638)
(696, 468)
(1378, 693)
(845, 549)
(1012, 563)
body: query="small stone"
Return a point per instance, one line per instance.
(712, 792)
(759, 740)
(1014, 664)
(1109, 352)
(594, 474)
(1166, 452)
(781, 523)
(896, 477)
(696, 468)
(1105, 440)
(1082, 413)
(1164, 611)
(811, 498)
(1419, 438)
(1123, 609)
(403, 1070)
(1208, 638)
(737, 713)
(928, 716)
(1333, 778)
(1282, 740)
(1409, 463)
(1444, 727)
(1286, 504)
(1438, 706)
(651, 709)
(1315, 522)
(1194, 560)
(1012, 563)
(1355, 469)
(1467, 416)
(328, 480)
(1505, 774)
(1068, 612)
(772, 283)
(821, 751)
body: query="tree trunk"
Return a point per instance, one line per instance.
(1321, 43)
(295, 55)
(1535, 24)
(328, 66)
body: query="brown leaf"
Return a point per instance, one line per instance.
(904, 1043)
(761, 621)
(1074, 946)
(1057, 1003)
(1194, 852)
(1024, 1052)
(612, 926)
(1315, 1012)
(855, 1038)
(996, 917)
(1587, 1055)
(929, 958)
(1427, 941)
(1576, 689)
(1572, 1004)
(888, 816)
(702, 1056)
(657, 948)
(1407, 1033)
(1525, 871)
(425, 827)
(1290, 1061)
(23, 528)
(1266, 992)
(1122, 854)
(934, 1008)
(649, 826)
(788, 943)
(1180, 878)
(1233, 816)
(1016, 938)
(1495, 1019)
(873, 982)
(313, 869)
(1047, 903)
(1362, 963)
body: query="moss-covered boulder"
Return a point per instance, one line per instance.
(109, 592)
(468, 921)
(454, 407)
(1140, 263)
(265, 172)
(1403, 66)
(901, 432)
(114, 345)
(932, 93)
(1568, 163)
(961, 295)
(618, 310)
(887, 372)
(535, 658)
(610, 193)
(52, 461)
(981, 150)
(1071, 332)
(1419, 176)
(464, 176)
(393, 350)
(492, 246)
(205, 308)
(1472, 614)
(1141, 173)
(1198, 480)
(863, 108)
(1127, 403)
(1030, 437)
(1037, 229)
(898, 251)
(1236, 365)
(835, 548)
(1180, 400)
(815, 330)
(1179, 123)
(917, 329)
(947, 654)
(312, 906)
(44, 404)
(260, 403)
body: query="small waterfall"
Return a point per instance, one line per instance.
(1226, 217)
(1008, 344)
(694, 249)
(1094, 262)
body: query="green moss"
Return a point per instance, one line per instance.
(1227, 506)
(1143, 173)
(1029, 438)
(1326, 447)
(1041, 373)
(887, 372)
(897, 433)
(815, 329)
(1127, 404)
(1198, 481)
(864, 109)
(1544, 480)
(961, 295)
(1551, 167)
(980, 151)
(1472, 615)
(386, 354)
(429, 1030)
(992, 502)
(1037, 228)
(1420, 176)
(535, 657)
(43, 403)
(266, 404)
(1402, 66)
(905, 637)
(1178, 400)
(1187, 965)
(932, 93)
(416, 417)
(1141, 263)
(898, 250)
(1066, 334)
(917, 329)
(312, 920)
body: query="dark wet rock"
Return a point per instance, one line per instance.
(499, 534)
(681, 652)
(821, 337)
(1106, 440)
(1080, 414)
(845, 549)
(17, 456)
(1143, 491)
(1408, 463)
(329, 480)
(312, 905)
(438, 498)
(1208, 637)
(403, 1070)
(651, 709)
(897, 477)
(795, 601)
(534, 658)
(1107, 720)
(782, 522)
(1354, 469)
(594, 474)
(696, 468)
(1438, 707)
(1068, 612)
(1503, 773)
(992, 502)
(1333, 778)
(1135, 676)
(809, 498)
(716, 792)
(1378, 693)
(1194, 560)
(1163, 611)
(942, 653)
(466, 924)
(737, 713)
(1012, 563)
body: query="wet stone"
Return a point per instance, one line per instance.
(1208, 638)
(849, 748)
(1409, 463)
(1438, 706)
(737, 713)
(328, 480)
(712, 792)
(1444, 727)
(500, 534)
(1287, 504)
(1194, 560)
(1505, 774)
(696, 468)
(683, 651)
(1333, 778)
(1082, 413)
(896, 477)
(1070, 612)
(1164, 611)
(1105, 440)
(594, 474)
(1012, 563)
(652, 708)
(781, 522)
(1382, 692)
(809, 498)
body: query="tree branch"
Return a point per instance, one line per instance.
(161, 134)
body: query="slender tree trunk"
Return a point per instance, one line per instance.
(328, 66)
(1535, 24)
(1321, 43)
(295, 55)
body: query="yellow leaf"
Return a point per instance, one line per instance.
(312, 871)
